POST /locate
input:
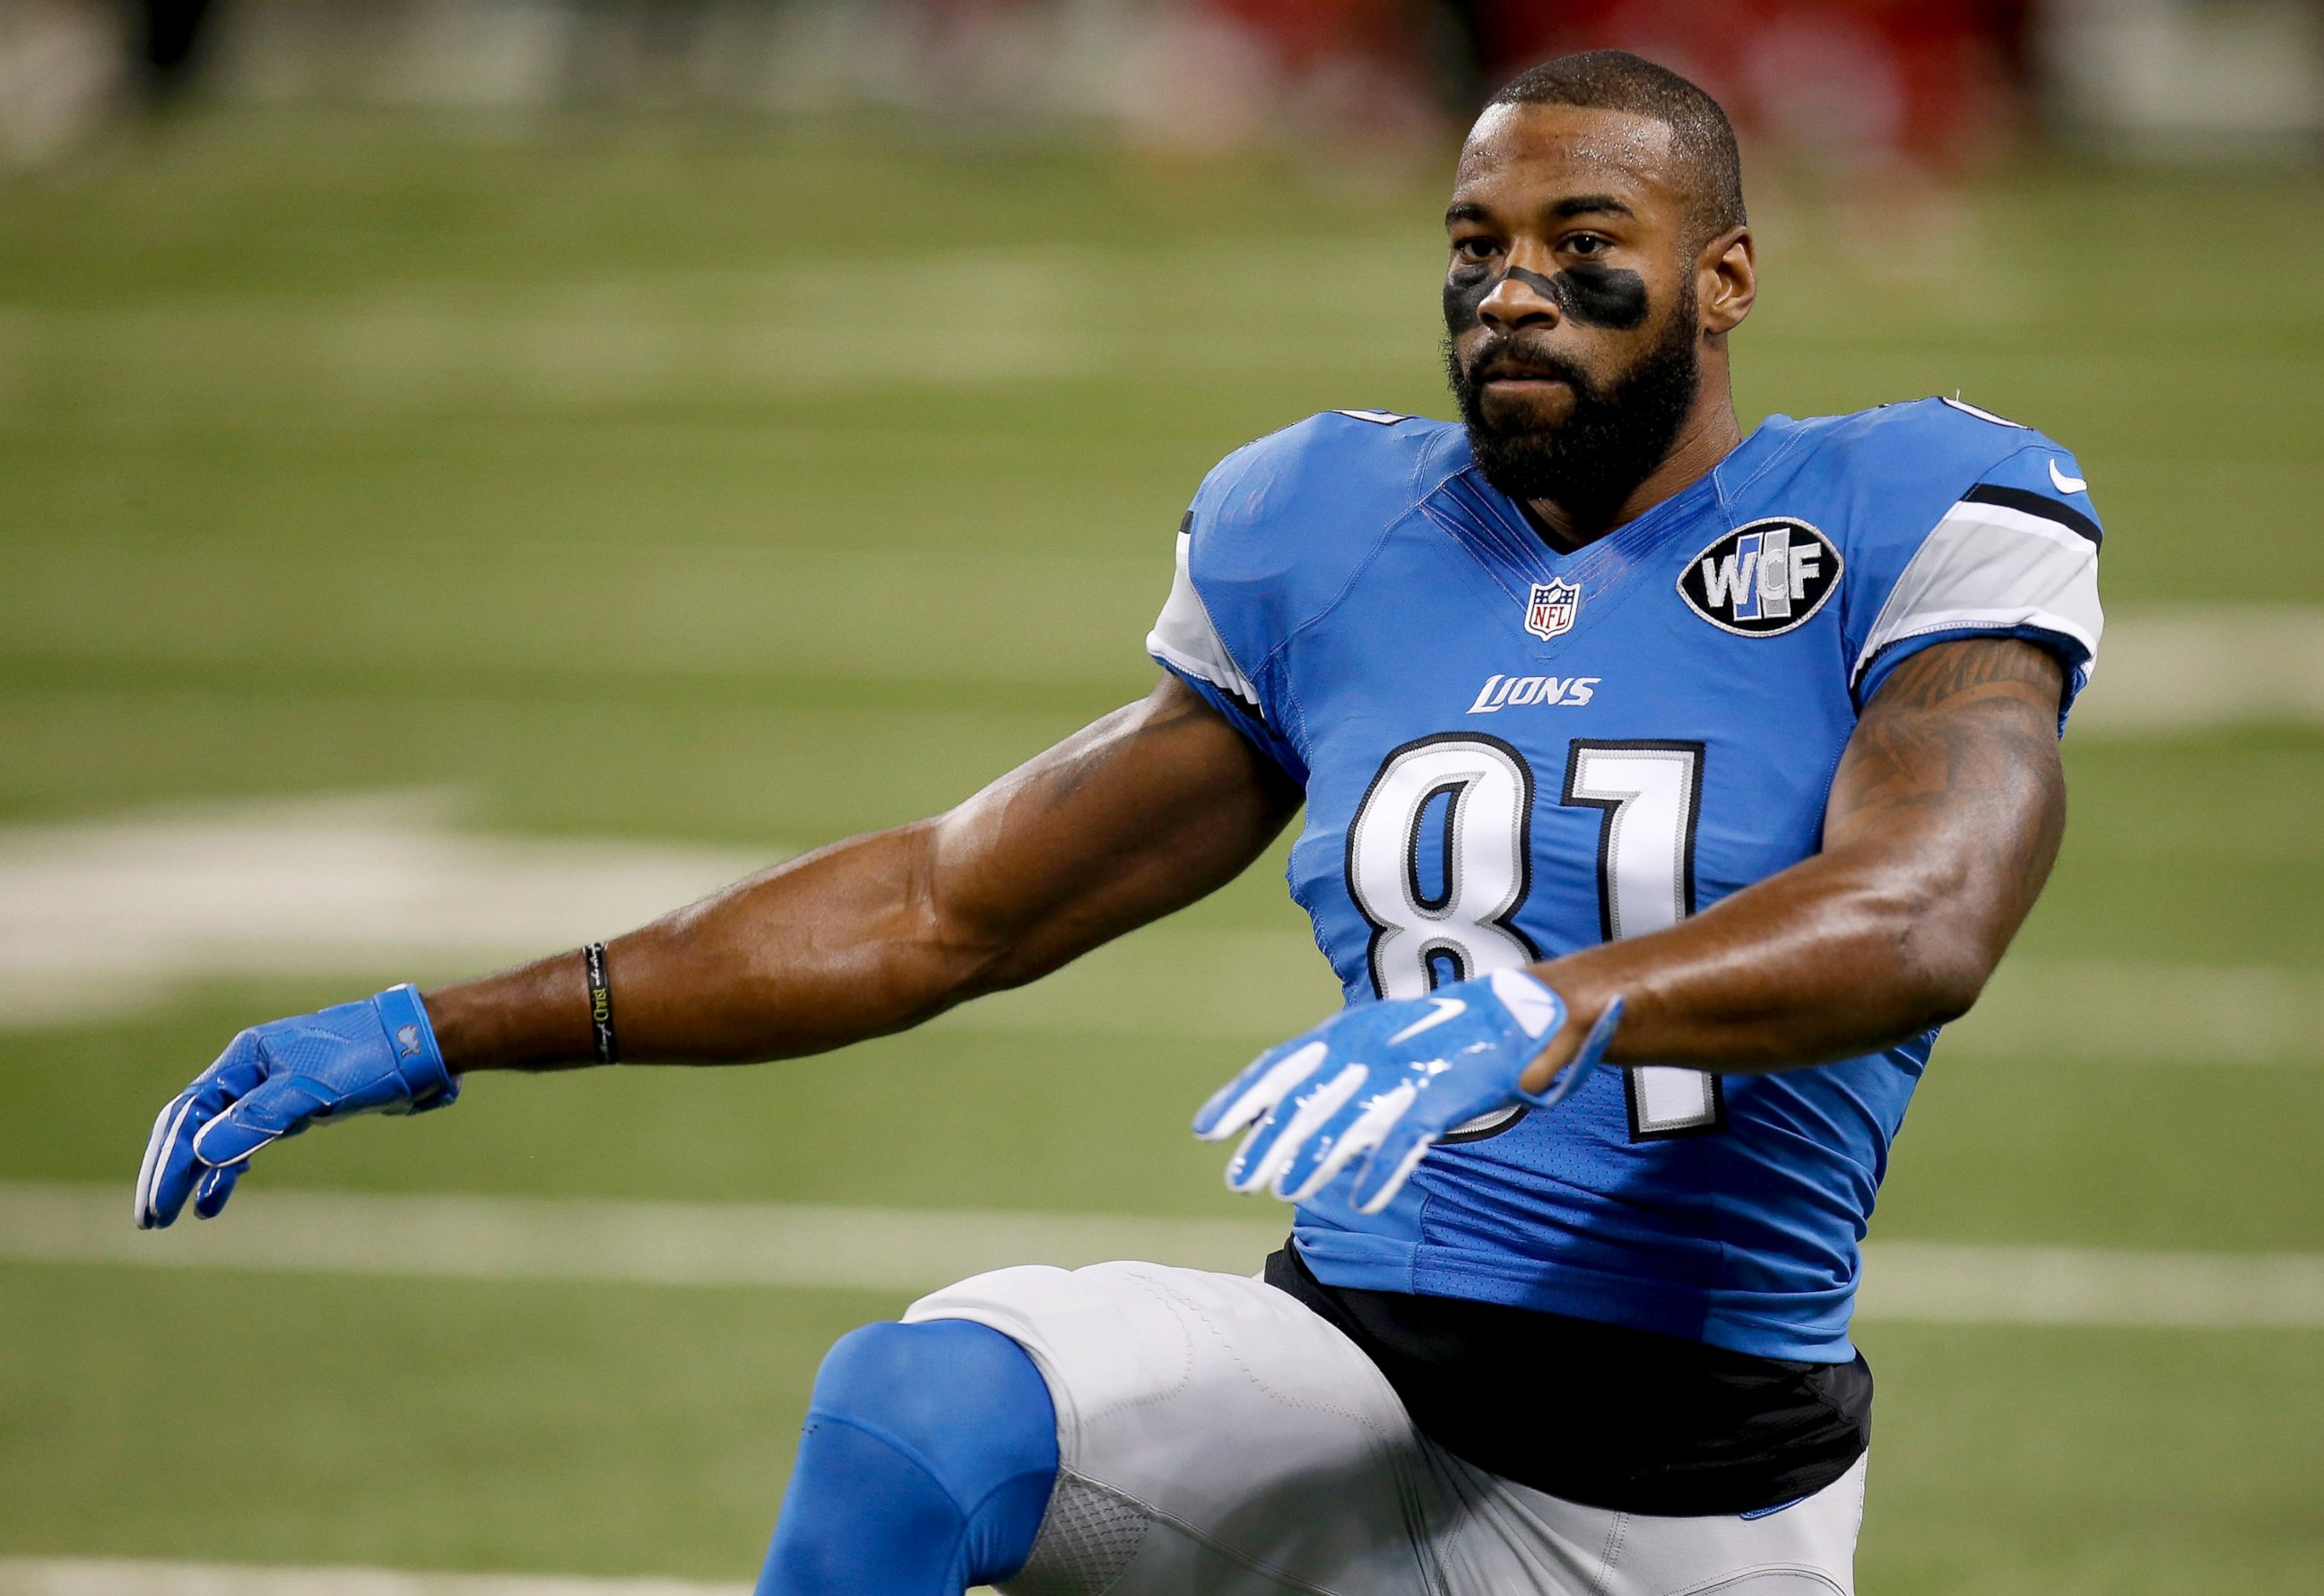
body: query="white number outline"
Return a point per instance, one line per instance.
(1364, 823)
(1611, 803)
(1407, 833)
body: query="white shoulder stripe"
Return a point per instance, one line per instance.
(2003, 518)
(1968, 409)
(2002, 618)
(1183, 635)
(1988, 567)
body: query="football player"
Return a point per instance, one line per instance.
(1665, 788)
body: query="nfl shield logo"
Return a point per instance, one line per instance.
(1552, 607)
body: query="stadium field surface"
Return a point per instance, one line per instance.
(425, 542)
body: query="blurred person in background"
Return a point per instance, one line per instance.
(1889, 103)
(1359, 87)
(1931, 85)
(1887, 106)
(168, 43)
(71, 68)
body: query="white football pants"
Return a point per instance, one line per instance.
(1217, 1438)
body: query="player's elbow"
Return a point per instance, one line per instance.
(1942, 955)
(1947, 989)
(966, 933)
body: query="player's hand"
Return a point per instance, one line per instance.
(1384, 1081)
(274, 1079)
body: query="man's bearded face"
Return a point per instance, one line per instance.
(1618, 427)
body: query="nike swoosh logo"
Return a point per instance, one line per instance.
(2065, 483)
(1446, 1008)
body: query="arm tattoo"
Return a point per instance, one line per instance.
(1966, 731)
(1941, 675)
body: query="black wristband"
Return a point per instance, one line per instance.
(601, 1003)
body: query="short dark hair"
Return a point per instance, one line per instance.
(1616, 80)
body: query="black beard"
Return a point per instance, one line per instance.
(1612, 440)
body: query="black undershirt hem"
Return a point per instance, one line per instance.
(1611, 1417)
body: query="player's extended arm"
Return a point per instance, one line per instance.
(1142, 812)
(1944, 819)
(1138, 815)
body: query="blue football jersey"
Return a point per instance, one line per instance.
(1509, 753)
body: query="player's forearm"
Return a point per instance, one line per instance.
(829, 949)
(1135, 816)
(1945, 816)
(1836, 957)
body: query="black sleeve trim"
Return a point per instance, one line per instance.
(2033, 503)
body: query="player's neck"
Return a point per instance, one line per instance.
(1710, 435)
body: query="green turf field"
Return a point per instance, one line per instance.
(705, 483)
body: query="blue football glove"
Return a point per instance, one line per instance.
(1384, 1081)
(274, 1079)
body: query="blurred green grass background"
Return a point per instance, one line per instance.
(722, 482)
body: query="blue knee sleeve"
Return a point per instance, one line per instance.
(924, 1468)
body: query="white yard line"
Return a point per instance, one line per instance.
(2119, 1011)
(586, 1240)
(95, 1576)
(89, 1576)
(906, 1252)
(102, 918)
(2204, 668)
(108, 916)
(1938, 1282)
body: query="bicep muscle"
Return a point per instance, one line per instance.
(1954, 772)
(1138, 815)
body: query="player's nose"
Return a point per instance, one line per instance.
(1516, 302)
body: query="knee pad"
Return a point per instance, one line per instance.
(925, 1465)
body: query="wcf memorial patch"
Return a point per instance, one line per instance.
(1764, 577)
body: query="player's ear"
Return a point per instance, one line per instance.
(1726, 281)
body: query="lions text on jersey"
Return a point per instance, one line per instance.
(1509, 753)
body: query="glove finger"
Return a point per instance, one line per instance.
(1578, 1068)
(1241, 1101)
(1364, 1133)
(1259, 1144)
(215, 1186)
(1317, 1113)
(1537, 1010)
(151, 1210)
(1323, 1121)
(279, 1108)
(1601, 1035)
(166, 1175)
(1390, 1165)
(1442, 1102)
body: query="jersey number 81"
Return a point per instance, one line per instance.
(1440, 859)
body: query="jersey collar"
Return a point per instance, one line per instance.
(1483, 514)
